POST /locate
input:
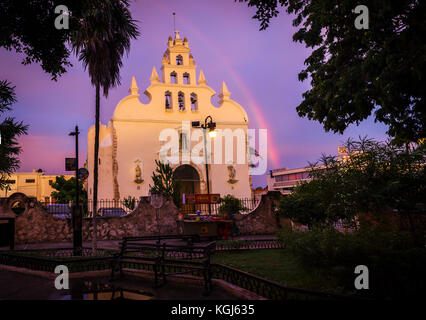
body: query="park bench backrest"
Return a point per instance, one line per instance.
(134, 244)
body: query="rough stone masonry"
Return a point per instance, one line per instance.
(35, 225)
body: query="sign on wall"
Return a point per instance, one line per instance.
(202, 198)
(83, 173)
(70, 164)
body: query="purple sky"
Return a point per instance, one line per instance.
(259, 67)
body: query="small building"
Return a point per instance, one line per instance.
(285, 180)
(33, 184)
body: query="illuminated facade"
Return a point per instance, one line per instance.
(132, 140)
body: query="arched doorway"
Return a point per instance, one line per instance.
(189, 183)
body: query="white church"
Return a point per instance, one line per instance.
(166, 129)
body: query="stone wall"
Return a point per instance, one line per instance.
(35, 225)
(141, 222)
(262, 220)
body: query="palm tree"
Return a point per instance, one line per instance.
(103, 36)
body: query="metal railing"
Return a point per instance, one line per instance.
(269, 289)
(258, 285)
(49, 259)
(234, 245)
(105, 207)
(117, 207)
(110, 207)
(186, 209)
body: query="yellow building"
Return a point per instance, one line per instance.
(138, 134)
(33, 184)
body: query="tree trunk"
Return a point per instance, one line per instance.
(95, 172)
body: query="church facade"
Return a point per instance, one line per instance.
(165, 129)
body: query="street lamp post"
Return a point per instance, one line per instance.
(211, 126)
(76, 212)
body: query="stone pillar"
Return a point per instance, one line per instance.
(263, 219)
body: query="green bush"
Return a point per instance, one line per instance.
(231, 205)
(129, 202)
(374, 179)
(396, 263)
(165, 183)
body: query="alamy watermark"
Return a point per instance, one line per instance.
(361, 281)
(62, 281)
(229, 146)
(362, 21)
(62, 21)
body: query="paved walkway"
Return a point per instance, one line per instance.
(18, 286)
(109, 244)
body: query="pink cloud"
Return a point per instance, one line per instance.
(47, 153)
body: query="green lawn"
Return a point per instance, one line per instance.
(278, 265)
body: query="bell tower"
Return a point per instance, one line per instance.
(178, 65)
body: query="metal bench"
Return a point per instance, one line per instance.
(164, 255)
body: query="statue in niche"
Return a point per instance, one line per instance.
(138, 172)
(231, 174)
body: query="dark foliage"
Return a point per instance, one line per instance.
(395, 262)
(165, 183)
(231, 205)
(9, 131)
(66, 190)
(28, 27)
(355, 73)
(375, 178)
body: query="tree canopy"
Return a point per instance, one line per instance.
(102, 38)
(356, 73)
(28, 27)
(66, 190)
(375, 178)
(9, 131)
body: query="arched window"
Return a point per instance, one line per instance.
(186, 78)
(173, 77)
(179, 60)
(194, 102)
(168, 101)
(181, 101)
